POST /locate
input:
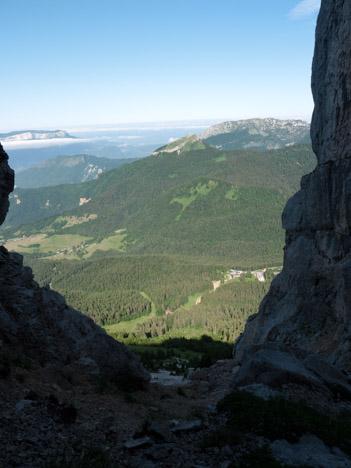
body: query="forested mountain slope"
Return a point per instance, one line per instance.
(195, 200)
(66, 170)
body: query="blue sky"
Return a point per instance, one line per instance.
(84, 62)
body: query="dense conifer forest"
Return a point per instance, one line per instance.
(161, 290)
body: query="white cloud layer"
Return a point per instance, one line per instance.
(128, 137)
(304, 8)
(145, 126)
(29, 144)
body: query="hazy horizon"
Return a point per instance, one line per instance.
(143, 125)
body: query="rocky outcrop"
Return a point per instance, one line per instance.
(37, 323)
(274, 364)
(331, 84)
(309, 303)
(6, 183)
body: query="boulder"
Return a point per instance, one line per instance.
(196, 425)
(160, 430)
(137, 443)
(274, 365)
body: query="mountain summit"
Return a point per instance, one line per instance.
(258, 134)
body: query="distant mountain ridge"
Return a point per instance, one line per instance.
(257, 134)
(66, 170)
(26, 135)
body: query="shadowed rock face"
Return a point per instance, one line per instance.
(309, 303)
(6, 183)
(37, 323)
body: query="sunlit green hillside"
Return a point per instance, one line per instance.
(193, 200)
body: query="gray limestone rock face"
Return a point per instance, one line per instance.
(331, 84)
(37, 323)
(309, 303)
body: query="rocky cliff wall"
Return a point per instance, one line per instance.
(6, 183)
(331, 83)
(309, 303)
(37, 323)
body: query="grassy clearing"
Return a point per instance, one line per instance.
(74, 220)
(250, 279)
(221, 158)
(58, 242)
(23, 243)
(232, 194)
(116, 242)
(191, 301)
(41, 243)
(129, 325)
(195, 192)
(233, 280)
(68, 246)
